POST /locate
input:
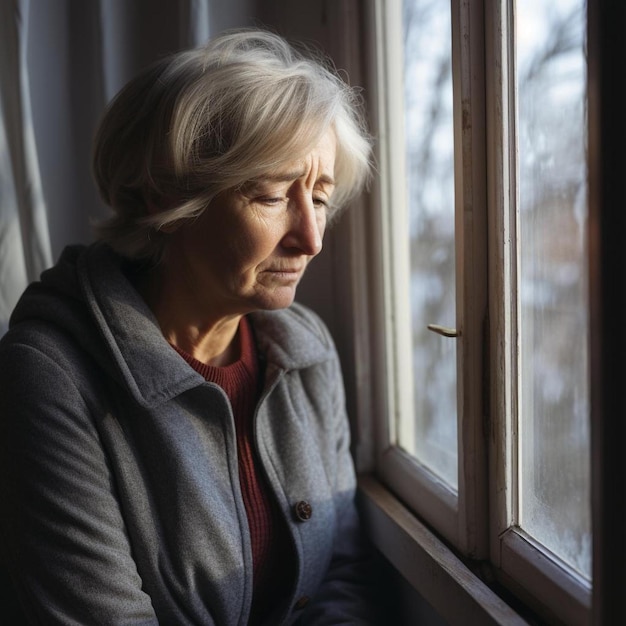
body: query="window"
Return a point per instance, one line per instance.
(552, 300)
(429, 156)
(482, 116)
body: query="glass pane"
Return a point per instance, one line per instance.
(554, 401)
(430, 191)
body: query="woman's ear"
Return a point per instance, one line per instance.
(171, 227)
(160, 204)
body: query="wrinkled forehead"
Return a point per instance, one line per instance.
(315, 159)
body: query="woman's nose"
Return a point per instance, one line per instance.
(306, 226)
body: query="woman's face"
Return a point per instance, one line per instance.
(249, 249)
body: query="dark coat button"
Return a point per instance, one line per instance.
(301, 603)
(303, 511)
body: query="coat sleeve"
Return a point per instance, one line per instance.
(346, 594)
(63, 539)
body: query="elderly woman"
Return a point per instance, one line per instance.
(175, 447)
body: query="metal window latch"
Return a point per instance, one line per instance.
(444, 331)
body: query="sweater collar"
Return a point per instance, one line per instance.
(153, 372)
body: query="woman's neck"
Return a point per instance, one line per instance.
(210, 339)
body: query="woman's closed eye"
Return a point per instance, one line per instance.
(318, 202)
(321, 203)
(271, 200)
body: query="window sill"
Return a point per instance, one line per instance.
(427, 564)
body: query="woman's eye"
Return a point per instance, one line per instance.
(270, 200)
(320, 202)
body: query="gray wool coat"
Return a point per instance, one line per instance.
(118, 466)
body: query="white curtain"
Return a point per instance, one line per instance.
(60, 63)
(24, 238)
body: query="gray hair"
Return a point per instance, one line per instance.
(207, 120)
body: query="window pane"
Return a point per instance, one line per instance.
(430, 179)
(554, 401)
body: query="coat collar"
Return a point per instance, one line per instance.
(154, 373)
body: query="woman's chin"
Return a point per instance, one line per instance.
(279, 299)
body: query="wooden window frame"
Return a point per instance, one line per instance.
(459, 518)
(485, 186)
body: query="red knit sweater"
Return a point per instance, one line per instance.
(271, 549)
